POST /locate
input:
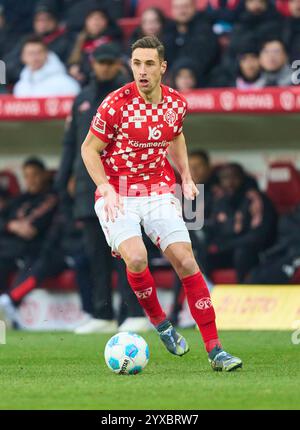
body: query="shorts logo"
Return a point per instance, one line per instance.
(204, 303)
(170, 117)
(144, 294)
(98, 124)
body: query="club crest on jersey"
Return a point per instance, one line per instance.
(170, 117)
(98, 124)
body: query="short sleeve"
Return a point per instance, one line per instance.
(105, 122)
(181, 116)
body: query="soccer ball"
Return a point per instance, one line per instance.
(126, 353)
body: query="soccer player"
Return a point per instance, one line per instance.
(133, 129)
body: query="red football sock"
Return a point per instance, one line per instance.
(143, 286)
(201, 308)
(22, 289)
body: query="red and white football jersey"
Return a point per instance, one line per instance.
(138, 135)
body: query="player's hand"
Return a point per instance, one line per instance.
(189, 189)
(113, 203)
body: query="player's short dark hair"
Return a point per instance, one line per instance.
(201, 153)
(34, 162)
(33, 39)
(151, 42)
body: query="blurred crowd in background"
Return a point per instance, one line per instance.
(80, 48)
(51, 227)
(47, 45)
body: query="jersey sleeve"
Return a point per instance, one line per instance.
(105, 123)
(181, 116)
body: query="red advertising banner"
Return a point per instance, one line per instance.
(227, 100)
(12, 108)
(269, 100)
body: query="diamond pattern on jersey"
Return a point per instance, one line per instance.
(139, 134)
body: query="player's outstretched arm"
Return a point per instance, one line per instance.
(90, 152)
(178, 153)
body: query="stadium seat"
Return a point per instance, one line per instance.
(65, 281)
(296, 277)
(164, 5)
(128, 25)
(283, 7)
(9, 181)
(214, 4)
(283, 186)
(224, 276)
(164, 278)
(202, 4)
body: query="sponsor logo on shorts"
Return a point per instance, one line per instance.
(144, 294)
(204, 303)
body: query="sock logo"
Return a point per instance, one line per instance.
(144, 294)
(204, 303)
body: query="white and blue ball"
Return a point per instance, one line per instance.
(126, 353)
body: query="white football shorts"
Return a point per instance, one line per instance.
(161, 217)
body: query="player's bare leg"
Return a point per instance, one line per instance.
(134, 253)
(181, 257)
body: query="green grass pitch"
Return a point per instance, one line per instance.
(64, 371)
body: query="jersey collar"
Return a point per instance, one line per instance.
(163, 91)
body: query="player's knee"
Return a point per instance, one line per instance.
(187, 266)
(137, 262)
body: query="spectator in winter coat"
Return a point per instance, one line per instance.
(153, 23)
(259, 19)
(242, 224)
(25, 220)
(243, 73)
(274, 63)
(249, 69)
(44, 75)
(98, 30)
(184, 75)
(190, 35)
(18, 15)
(107, 77)
(202, 174)
(291, 30)
(73, 12)
(61, 250)
(279, 263)
(46, 26)
(224, 10)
